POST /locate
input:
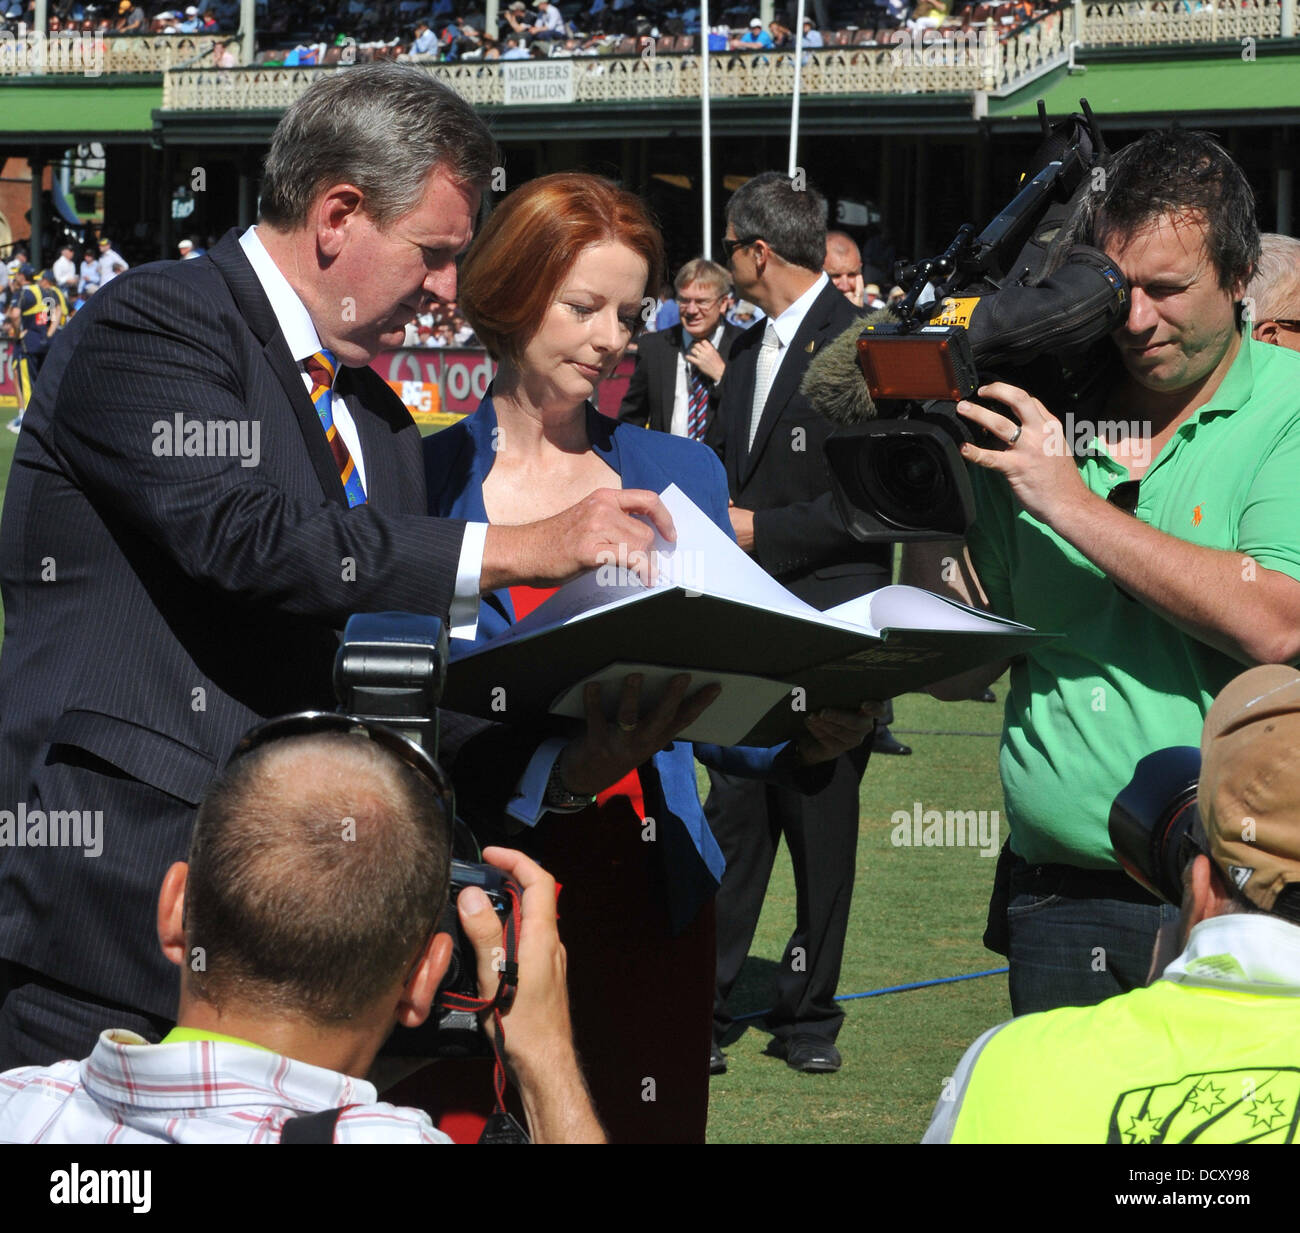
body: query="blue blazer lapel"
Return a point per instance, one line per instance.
(481, 429)
(625, 454)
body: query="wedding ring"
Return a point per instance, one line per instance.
(1015, 436)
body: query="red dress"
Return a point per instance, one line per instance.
(641, 1000)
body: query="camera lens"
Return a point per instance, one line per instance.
(1154, 820)
(900, 479)
(904, 479)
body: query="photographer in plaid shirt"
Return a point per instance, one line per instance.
(304, 927)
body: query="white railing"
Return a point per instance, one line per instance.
(976, 59)
(73, 53)
(1153, 22)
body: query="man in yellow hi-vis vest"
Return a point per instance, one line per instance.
(1210, 1051)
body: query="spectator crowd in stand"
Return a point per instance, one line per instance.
(442, 326)
(124, 17)
(309, 32)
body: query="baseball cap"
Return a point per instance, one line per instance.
(1249, 790)
(755, 22)
(106, 243)
(185, 244)
(27, 271)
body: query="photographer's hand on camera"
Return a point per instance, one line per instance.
(1037, 461)
(538, 1036)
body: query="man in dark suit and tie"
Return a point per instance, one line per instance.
(679, 371)
(213, 481)
(770, 440)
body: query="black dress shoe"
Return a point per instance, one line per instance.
(884, 743)
(809, 1054)
(987, 696)
(717, 1060)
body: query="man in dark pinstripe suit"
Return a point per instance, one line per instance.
(178, 548)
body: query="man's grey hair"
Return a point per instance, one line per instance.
(790, 217)
(1275, 289)
(702, 270)
(382, 127)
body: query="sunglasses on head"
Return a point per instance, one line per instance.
(308, 723)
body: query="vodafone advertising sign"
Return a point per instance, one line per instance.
(439, 385)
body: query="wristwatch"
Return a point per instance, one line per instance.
(558, 798)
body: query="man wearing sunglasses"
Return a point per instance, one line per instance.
(304, 925)
(1164, 548)
(676, 385)
(770, 438)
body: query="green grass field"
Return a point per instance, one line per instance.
(918, 914)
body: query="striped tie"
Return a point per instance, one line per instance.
(697, 406)
(321, 368)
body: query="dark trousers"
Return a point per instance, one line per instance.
(748, 819)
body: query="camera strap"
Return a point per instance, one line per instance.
(501, 1126)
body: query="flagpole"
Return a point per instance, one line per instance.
(705, 131)
(794, 105)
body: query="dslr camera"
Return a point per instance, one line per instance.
(390, 671)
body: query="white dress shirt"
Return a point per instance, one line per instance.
(786, 326)
(300, 333)
(788, 323)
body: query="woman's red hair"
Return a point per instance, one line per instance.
(513, 271)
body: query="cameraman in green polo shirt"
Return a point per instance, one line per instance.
(1167, 555)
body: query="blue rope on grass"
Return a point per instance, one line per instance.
(875, 993)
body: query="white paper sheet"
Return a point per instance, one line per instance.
(705, 559)
(900, 607)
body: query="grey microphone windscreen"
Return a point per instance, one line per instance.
(834, 383)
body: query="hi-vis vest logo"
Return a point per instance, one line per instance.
(1227, 1106)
